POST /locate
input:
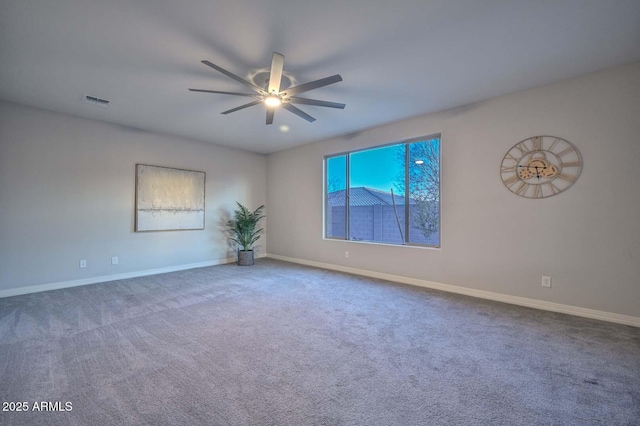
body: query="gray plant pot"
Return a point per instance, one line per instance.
(245, 257)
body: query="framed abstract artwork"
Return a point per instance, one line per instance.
(168, 199)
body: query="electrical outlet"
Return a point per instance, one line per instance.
(546, 281)
(346, 254)
(114, 260)
(83, 263)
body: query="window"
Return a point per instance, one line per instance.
(388, 194)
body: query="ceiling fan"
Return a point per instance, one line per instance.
(272, 95)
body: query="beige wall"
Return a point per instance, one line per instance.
(67, 193)
(587, 239)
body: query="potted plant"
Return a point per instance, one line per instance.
(242, 230)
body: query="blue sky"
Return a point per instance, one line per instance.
(375, 168)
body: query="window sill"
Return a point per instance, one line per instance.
(413, 246)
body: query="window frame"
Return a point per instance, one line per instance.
(346, 154)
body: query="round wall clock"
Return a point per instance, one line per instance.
(541, 166)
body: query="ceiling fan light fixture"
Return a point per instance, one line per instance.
(272, 100)
(272, 95)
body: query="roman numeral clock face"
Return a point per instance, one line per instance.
(540, 167)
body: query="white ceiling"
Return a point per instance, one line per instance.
(398, 59)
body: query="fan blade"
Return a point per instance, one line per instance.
(312, 85)
(259, 101)
(270, 113)
(305, 101)
(251, 95)
(298, 112)
(275, 76)
(235, 77)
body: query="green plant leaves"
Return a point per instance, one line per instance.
(243, 226)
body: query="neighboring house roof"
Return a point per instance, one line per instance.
(364, 196)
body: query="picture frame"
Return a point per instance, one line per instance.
(169, 199)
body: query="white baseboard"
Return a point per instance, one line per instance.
(106, 278)
(514, 300)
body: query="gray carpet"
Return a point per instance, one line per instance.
(283, 344)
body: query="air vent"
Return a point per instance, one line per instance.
(95, 100)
